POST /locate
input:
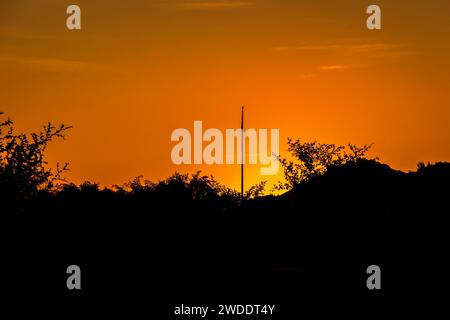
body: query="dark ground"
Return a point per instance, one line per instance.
(306, 251)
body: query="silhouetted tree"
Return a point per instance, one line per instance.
(88, 186)
(196, 188)
(314, 159)
(255, 191)
(23, 170)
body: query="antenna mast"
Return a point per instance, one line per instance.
(242, 153)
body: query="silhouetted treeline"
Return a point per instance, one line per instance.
(186, 230)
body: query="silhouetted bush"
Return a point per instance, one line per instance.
(23, 170)
(315, 159)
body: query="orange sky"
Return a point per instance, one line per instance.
(140, 69)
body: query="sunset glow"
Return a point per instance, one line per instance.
(140, 69)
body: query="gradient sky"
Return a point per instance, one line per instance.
(140, 69)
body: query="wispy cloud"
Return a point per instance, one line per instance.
(14, 33)
(344, 53)
(346, 47)
(325, 68)
(370, 50)
(333, 67)
(211, 4)
(47, 63)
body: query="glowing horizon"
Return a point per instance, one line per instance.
(140, 69)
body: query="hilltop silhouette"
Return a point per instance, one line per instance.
(190, 235)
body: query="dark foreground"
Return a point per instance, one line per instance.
(306, 251)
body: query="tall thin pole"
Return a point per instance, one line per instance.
(242, 152)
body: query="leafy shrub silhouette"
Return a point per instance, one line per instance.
(23, 170)
(346, 211)
(192, 187)
(315, 159)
